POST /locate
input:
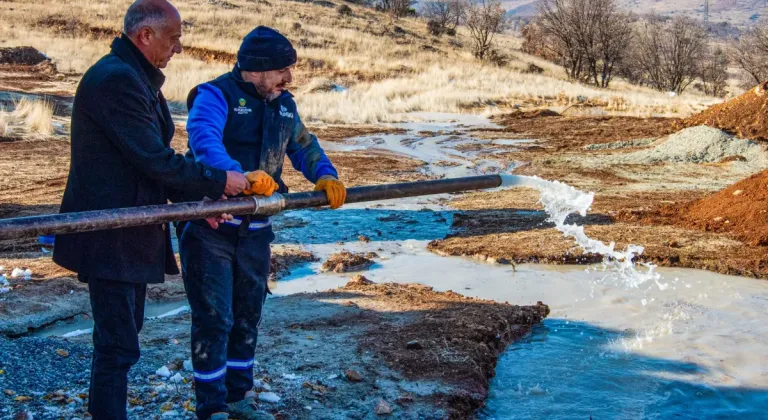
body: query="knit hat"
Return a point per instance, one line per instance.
(265, 49)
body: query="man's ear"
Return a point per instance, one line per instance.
(145, 35)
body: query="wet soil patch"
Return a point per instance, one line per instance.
(347, 261)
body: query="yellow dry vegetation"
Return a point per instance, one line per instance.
(387, 67)
(28, 117)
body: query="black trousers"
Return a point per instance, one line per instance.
(118, 314)
(225, 276)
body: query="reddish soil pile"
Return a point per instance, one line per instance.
(741, 208)
(744, 116)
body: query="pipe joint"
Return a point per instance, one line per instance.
(268, 206)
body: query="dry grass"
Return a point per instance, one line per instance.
(388, 72)
(29, 117)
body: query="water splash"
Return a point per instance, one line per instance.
(559, 201)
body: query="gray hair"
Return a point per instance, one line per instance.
(144, 13)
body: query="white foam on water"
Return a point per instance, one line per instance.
(561, 200)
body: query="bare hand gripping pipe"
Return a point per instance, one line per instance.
(164, 213)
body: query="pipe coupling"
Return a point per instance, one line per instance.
(268, 206)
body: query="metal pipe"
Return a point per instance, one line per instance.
(163, 213)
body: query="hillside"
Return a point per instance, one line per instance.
(737, 12)
(363, 67)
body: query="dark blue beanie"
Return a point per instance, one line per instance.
(265, 49)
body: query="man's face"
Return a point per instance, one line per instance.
(270, 84)
(162, 43)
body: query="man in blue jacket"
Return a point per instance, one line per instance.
(243, 121)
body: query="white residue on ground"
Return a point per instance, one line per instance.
(436, 142)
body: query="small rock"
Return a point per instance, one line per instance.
(290, 376)
(188, 365)
(8, 392)
(259, 384)
(19, 273)
(383, 408)
(177, 378)
(738, 192)
(414, 345)
(363, 238)
(353, 376)
(269, 397)
(717, 219)
(164, 372)
(62, 353)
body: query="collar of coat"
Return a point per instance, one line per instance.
(123, 47)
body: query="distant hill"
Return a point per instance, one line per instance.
(737, 12)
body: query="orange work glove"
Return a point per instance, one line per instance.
(261, 183)
(334, 190)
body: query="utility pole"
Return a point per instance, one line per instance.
(706, 11)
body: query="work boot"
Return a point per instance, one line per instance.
(219, 416)
(246, 409)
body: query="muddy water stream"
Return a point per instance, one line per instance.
(673, 343)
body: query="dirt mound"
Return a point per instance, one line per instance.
(450, 338)
(283, 259)
(745, 116)
(346, 261)
(22, 56)
(741, 208)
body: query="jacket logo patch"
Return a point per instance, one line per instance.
(284, 112)
(242, 110)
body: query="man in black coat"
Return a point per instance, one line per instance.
(121, 157)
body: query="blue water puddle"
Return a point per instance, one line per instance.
(327, 227)
(565, 370)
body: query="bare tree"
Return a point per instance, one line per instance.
(398, 8)
(485, 18)
(588, 37)
(669, 53)
(714, 72)
(614, 35)
(750, 54)
(443, 15)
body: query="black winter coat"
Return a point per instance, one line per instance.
(121, 157)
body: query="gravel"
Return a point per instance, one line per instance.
(700, 144)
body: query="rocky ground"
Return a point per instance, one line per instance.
(360, 351)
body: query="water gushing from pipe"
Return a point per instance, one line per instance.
(559, 201)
